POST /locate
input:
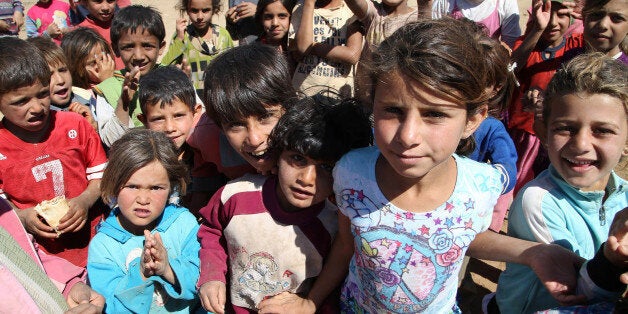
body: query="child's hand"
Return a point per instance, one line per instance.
(532, 100)
(616, 247)
(75, 218)
(575, 9)
(34, 225)
(18, 18)
(286, 302)
(155, 261)
(129, 86)
(185, 67)
(213, 295)
(53, 30)
(182, 24)
(240, 11)
(541, 13)
(82, 299)
(105, 66)
(85, 112)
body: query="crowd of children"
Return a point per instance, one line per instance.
(312, 156)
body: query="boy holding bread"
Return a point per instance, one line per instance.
(54, 159)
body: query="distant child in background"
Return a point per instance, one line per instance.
(100, 17)
(325, 51)
(138, 34)
(274, 17)
(246, 101)
(197, 39)
(606, 27)
(537, 55)
(292, 208)
(169, 105)
(380, 20)
(91, 58)
(144, 257)
(46, 154)
(62, 96)
(11, 17)
(500, 17)
(574, 201)
(49, 18)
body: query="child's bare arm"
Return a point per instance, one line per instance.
(305, 33)
(541, 14)
(333, 273)
(76, 217)
(555, 266)
(213, 295)
(347, 54)
(358, 7)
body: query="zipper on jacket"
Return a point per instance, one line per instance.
(602, 216)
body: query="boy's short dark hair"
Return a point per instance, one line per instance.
(322, 130)
(137, 16)
(52, 53)
(166, 84)
(241, 81)
(21, 64)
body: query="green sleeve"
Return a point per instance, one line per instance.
(176, 49)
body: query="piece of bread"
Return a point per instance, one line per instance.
(53, 210)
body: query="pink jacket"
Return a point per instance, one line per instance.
(62, 273)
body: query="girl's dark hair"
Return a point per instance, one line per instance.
(134, 150)
(322, 130)
(76, 46)
(262, 4)
(165, 84)
(21, 64)
(134, 17)
(241, 81)
(442, 56)
(183, 6)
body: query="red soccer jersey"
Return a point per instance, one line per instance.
(62, 164)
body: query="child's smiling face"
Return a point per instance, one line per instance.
(249, 137)
(606, 28)
(139, 49)
(586, 136)
(101, 10)
(276, 22)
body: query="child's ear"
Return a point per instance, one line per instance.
(142, 118)
(198, 109)
(474, 121)
(162, 46)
